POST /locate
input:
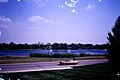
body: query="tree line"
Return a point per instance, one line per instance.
(54, 46)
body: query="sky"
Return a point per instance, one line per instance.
(61, 21)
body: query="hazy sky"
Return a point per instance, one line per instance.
(64, 21)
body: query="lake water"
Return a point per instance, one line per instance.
(27, 52)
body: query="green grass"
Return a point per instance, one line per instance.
(6, 60)
(90, 72)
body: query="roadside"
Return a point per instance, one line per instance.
(7, 60)
(43, 66)
(101, 71)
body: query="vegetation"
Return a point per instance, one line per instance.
(114, 46)
(11, 59)
(62, 55)
(83, 54)
(54, 46)
(55, 55)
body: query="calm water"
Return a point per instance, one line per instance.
(27, 52)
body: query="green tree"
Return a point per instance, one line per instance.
(114, 46)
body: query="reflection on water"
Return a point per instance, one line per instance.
(10, 77)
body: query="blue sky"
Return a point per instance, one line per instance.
(62, 21)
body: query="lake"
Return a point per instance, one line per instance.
(27, 52)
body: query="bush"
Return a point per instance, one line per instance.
(82, 54)
(39, 55)
(55, 55)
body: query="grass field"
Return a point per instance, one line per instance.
(91, 72)
(5, 60)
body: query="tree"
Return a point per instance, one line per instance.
(12, 45)
(55, 46)
(113, 47)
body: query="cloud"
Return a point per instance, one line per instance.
(40, 3)
(61, 6)
(90, 6)
(71, 3)
(3, 1)
(38, 18)
(99, 0)
(73, 11)
(35, 18)
(0, 33)
(5, 19)
(18, 0)
(47, 20)
(5, 22)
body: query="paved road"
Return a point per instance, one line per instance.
(42, 66)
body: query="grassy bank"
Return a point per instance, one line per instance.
(91, 72)
(5, 60)
(63, 55)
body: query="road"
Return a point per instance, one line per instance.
(42, 66)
